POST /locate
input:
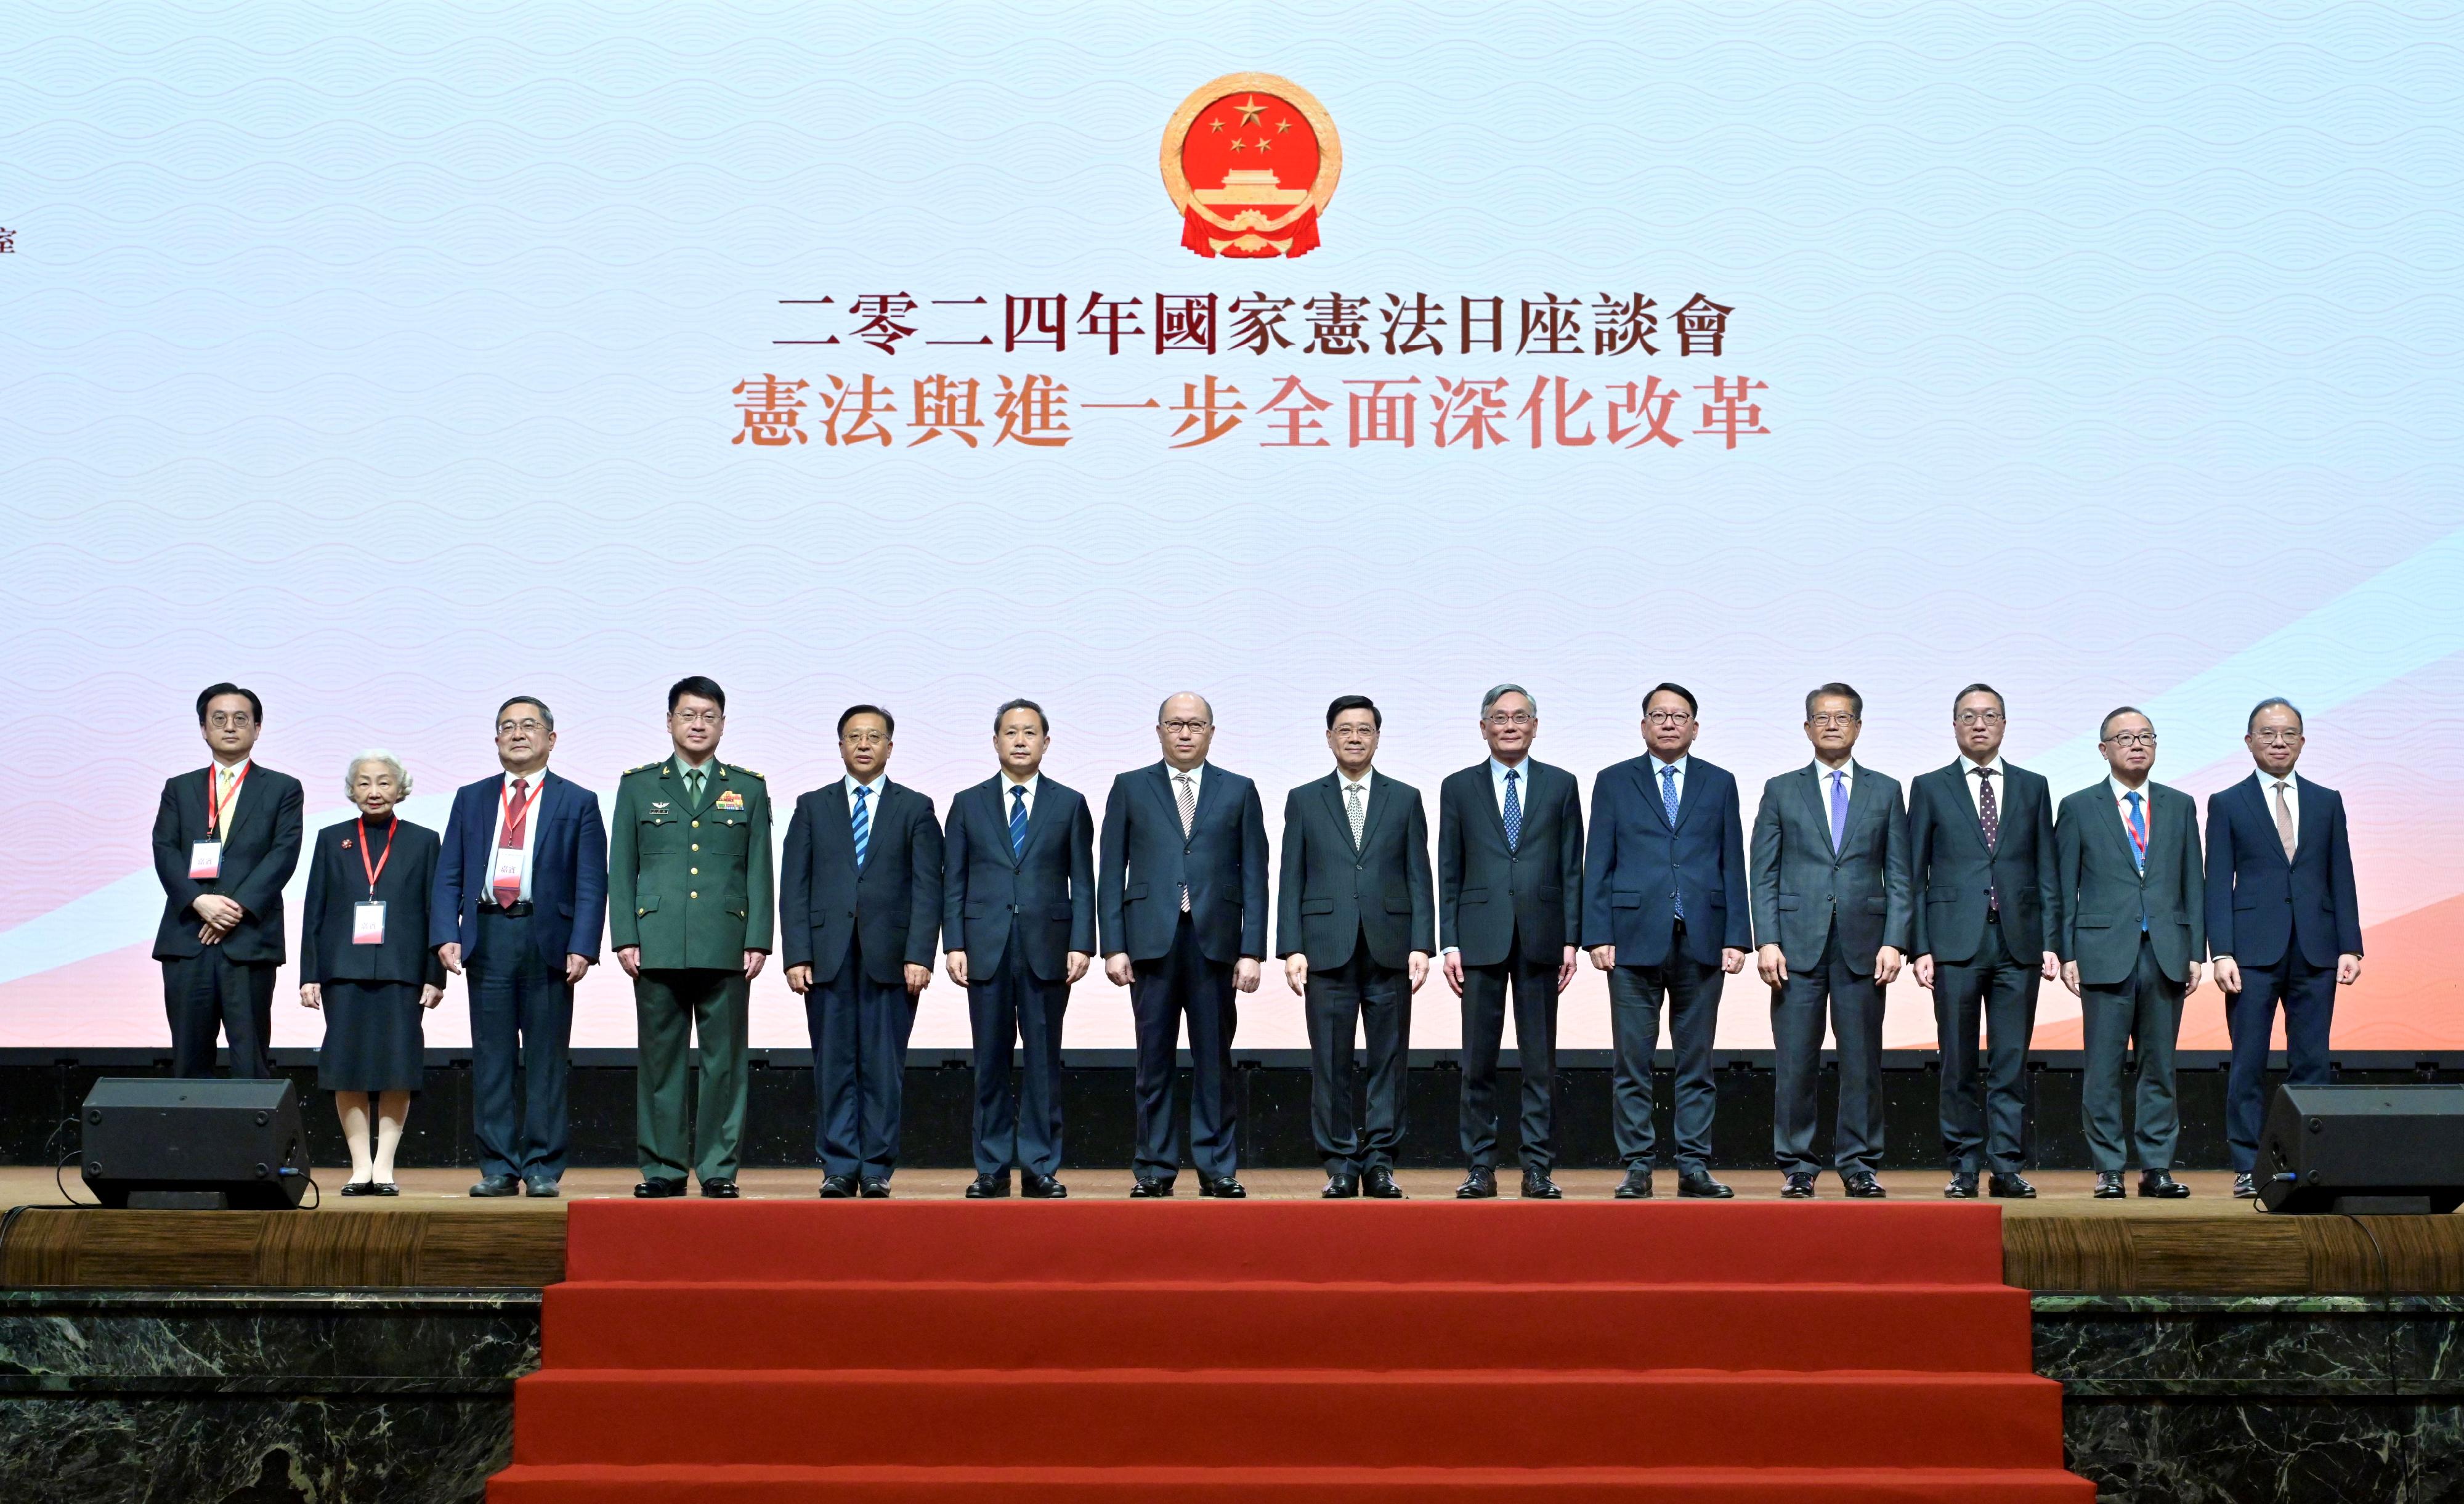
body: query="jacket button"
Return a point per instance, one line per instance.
(694, 872)
(696, 825)
(697, 845)
(692, 896)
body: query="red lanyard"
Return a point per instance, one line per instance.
(214, 797)
(377, 870)
(2137, 831)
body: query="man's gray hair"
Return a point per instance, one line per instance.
(1192, 694)
(351, 772)
(1503, 690)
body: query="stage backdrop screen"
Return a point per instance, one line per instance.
(393, 360)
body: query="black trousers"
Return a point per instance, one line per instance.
(1183, 983)
(1009, 1009)
(1378, 999)
(1688, 991)
(2308, 995)
(1856, 1018)
(1997, 989)
(860, 1030)
(209, 994)
(1533, 980)
(2142, 1012)
(522, 1064)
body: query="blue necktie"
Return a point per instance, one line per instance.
(2139, 851)
(1668, 802)
(1018, 820)
(863, 825)
(1513, 811)
(1838, 809)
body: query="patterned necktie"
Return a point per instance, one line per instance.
(2284, 821)
(508, 886)
(1355, 805)
(1668, 802)
(1838, 809)
(1017, 820)
(1514, 811)
(1989, 820)
(2138, 832)
(1188, 819)
(862, 824)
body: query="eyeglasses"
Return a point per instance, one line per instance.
(1827, 722)
(2276, 738)
(225, 717)
(2133, 738)
(1978, 718)
(1188, 727)
(1668, 717)
(509, 727)
(698, 718)
(1510, 718)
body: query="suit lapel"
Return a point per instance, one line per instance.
(1331, 787)
(1819, 798)
(2311, 811)
(1038, 819)
(1958, 777)
(2118, 830)
(996, 794)
(1381, 793)
(1488, 797)
(840, 816)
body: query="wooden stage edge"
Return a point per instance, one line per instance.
(434, 1236)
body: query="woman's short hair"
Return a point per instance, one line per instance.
(351, 772)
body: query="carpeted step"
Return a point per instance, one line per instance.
(1657, 1242)
(1261, 1325)
(1294, 1417)
(586, 1484)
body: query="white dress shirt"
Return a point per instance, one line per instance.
(1034, 783)
(1660, 782)
(872, 800)
(531, 798)
(2266, 783)
(1171, 777)
(2147, 793)
(223, 787)
(1967, 766)
(1847, 772)
(1344, 784)
(1497, 772)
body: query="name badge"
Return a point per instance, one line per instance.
(206, 860)
(367, 922)
(509, 864)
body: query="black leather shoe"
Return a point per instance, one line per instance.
(1151, 1190)
(2245, 1186)
(837, 1187)
(876, 1190)
(1863, 1187)
(2161, 1185)
(491, 1185)
(1380, 1183)
(1340, 1187)
(2108, 1185)
(1699, 1184)
(2013, 1187)
(383, 1189)
(718, 1190)
(1637, 1184)
(1479, 1184)
(1797, 1188)
(1962, 1186)
(1223, 1186)
(1042, 1187)
(1538, 1186)
(539, 1185)
(988, 1187)
(649, 1191)
(361, 1188)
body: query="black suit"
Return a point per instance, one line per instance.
(1358, 913)
(1181, 955)
(860, 926)
(1510, 908)
(1985, 916)
(1017, 914)
(225, 988)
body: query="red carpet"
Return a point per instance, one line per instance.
(1112, 1351)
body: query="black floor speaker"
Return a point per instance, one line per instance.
(153, 1141)
(2363, 1150)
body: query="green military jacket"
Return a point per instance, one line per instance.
(691, 885)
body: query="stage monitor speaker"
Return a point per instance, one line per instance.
(2363, 1150)
(197, 1144)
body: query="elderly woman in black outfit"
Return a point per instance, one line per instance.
(364, 959)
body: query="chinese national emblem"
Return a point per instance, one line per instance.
(1250, 161)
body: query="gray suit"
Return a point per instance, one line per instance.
(1829, 911)
(2135, 931)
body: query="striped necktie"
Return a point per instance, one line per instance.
(862, 825)
(1017, 820)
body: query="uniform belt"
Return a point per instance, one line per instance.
(519, 909)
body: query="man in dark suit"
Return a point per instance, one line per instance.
(226, 839)
(2132, 933)
(1353, 927)
(859, 913)
(2282, 921)
(1830, 883)
(1981, 863)
(1182, 907)
(1509, 907)
(1666, 916)
(1017, 917)
(519, 899)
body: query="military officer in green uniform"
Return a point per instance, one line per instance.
(690, 909)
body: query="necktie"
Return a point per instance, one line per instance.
(1668, 802)
(693, 786)
(1017, 820)
(1989, 819)
(1838, 809)
(2138, 832)
(226, 779)
(862, 827)
(508, 886)
(2284, 821)
(1188, 819)
(1356, 806)
(1514, 811)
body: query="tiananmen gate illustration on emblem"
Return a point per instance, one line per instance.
(1250, 161)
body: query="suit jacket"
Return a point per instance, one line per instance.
(1639, 866)
(1950, 869)
(258, 857)
(1333, 897)
(893, 904)
(1801, 886)
(568, 870)
(1045, 893)
(1487, 894)
(338, 882)
(2260, 905)
(2103, 894)
(1145, 859)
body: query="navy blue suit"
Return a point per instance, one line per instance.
(1670, 896)
(521, 1007)
(2284, 922)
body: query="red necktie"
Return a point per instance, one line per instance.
(518, 815)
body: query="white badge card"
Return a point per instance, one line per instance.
(206, 860)
(509, 866)
(367, 922)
